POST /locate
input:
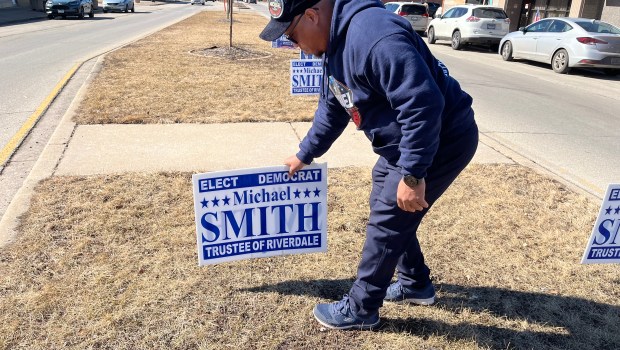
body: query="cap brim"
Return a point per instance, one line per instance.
(274, 30)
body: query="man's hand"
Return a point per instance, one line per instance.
(294, 164)
(411, 199)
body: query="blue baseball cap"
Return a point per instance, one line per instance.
(282, 13)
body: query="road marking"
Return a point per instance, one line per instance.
(16, 140)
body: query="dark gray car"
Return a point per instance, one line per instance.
(64, 8)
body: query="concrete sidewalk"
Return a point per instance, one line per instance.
(106, 149)
(14, 15)
(10, 15)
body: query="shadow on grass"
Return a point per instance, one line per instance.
(566, 322)
(326, 289)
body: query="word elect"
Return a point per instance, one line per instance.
(259, 179)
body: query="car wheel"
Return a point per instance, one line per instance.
(456, 40)
(133, 8)
(50, 16)
(126, 8)
(81, 14)
(507, 51)
(105, 11)
(559, 62)
(430, 36)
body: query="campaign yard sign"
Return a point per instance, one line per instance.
(604, 244)
(306, 76)
(307, 56)
(261, 212)
(282, 43)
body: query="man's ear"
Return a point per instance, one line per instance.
(313, 15)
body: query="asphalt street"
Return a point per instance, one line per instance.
(565, 123)
(35, 56)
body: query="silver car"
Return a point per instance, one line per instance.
(566, 43)
(415, 13)
(119, 5)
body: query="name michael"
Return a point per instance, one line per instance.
(261, 196)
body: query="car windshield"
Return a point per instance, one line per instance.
(414, 9)
(598, 27)
(489, 13)
(391, 7)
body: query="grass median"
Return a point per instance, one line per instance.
(159, 80)
(109, 262)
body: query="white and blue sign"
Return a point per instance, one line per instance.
(262, 212)
(307, 56)
(306, 77)
(604, 245)
(282, 43)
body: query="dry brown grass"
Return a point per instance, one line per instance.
(157, 80)
(109, 262)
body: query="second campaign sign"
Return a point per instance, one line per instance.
(306, 76)
(260, 212)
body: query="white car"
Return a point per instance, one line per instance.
(415, 13)
(469, 24)
(566, 43)
(119, 5)
(201, 2)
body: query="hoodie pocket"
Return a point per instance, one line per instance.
(385, 143)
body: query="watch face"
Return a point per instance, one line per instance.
(410, 181)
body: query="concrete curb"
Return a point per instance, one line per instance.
(15, 142)
(523, 160)
(47, 163)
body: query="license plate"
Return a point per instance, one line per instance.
(61, 11)
(615, 61)
(491, 26)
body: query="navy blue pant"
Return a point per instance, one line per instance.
(391, 241)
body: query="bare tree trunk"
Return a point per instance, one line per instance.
(230, 45)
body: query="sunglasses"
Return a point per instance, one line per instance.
(289, 37)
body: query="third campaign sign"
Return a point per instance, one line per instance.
(604, 244)
(261, 212)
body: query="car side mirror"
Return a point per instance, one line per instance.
(522, 29)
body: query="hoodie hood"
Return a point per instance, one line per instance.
(344, 10)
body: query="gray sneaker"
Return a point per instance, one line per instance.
(397, 293)
(339, 315)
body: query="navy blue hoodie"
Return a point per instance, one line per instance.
(398, 93)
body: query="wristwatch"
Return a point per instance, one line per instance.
(411, 181)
